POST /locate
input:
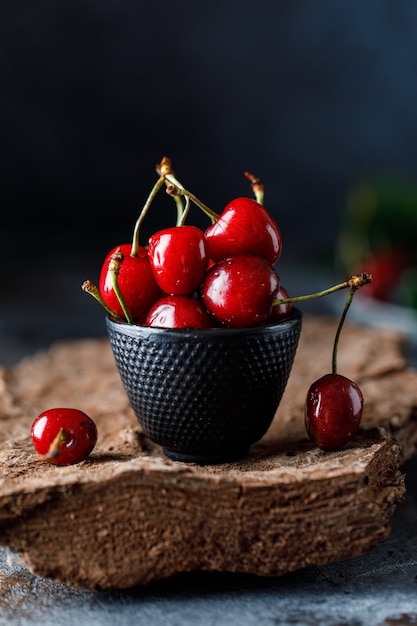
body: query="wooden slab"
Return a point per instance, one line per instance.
(128, 515)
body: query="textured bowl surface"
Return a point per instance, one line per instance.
(205, 395)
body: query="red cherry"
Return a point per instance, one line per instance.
(63, 436)
(244, 227)
(179, 259)
(333, 411)
(179, 312)
(239, 291)
(136, 282)
(280, 311)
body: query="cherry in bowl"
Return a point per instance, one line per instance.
(179, 312)
(239, 291)
(244, 227)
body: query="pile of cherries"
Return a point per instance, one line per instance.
(222, 277)
(187, 278)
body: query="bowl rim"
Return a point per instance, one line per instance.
(284, 325)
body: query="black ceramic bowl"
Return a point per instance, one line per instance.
(205, 395)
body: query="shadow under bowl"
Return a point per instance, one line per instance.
(205, 395)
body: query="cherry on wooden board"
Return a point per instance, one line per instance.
(334, 403)
(333, 413)
(63, 436)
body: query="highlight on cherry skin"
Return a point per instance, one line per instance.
(63, 436)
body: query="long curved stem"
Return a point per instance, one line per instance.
(180, 209)
(355, 282)
(135, 241)
(114, 269)
(183, 217)
(339, 328)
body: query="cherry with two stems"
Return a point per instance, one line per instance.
(334, 403)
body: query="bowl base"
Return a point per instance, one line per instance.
(206, 459)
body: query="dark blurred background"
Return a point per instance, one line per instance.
(310, 96)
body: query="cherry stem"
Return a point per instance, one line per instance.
(55, 446)
(183, 217)
(180, 209)
(93, 290)
(355, 282)
(352, 291)
(257, 187)
(164, 168)
(114, 269)
(166, 171)
(174, 191)
(175, 188)
(135, 241)
(187, 194)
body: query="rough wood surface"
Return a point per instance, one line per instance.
(128, 515)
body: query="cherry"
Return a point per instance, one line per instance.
(239, 291)
(179, 312)
(127, 287)
(135, 280)
(63, 436)
(244, 227)
(281, 310)
(179, 259)
(334, 403)
(333, 411)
